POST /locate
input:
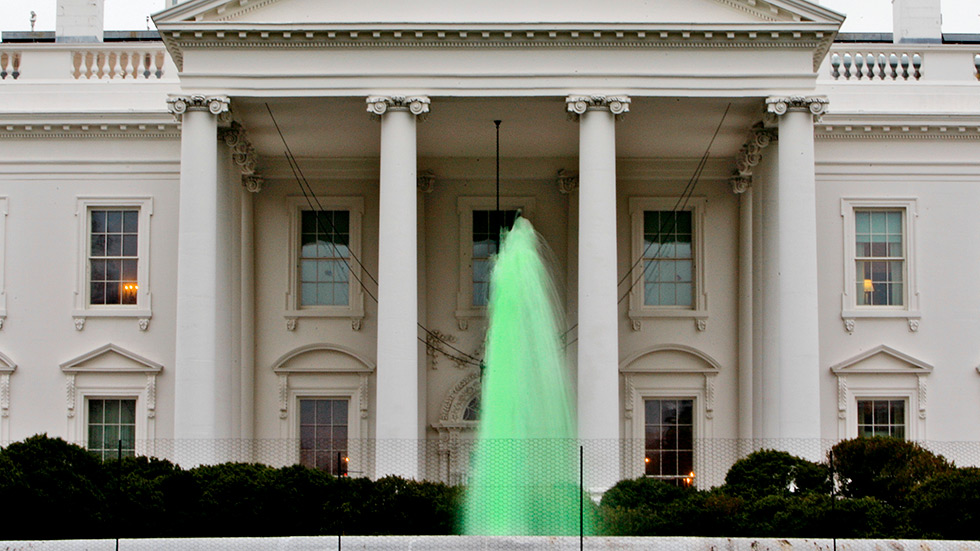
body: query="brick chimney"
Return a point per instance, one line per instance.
(917, 21)
(79, 21)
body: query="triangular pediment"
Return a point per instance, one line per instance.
(110, 358)
(882, 359)
(451, 12)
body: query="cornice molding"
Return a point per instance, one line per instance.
(206, 35)
(898, 127)
(97, 125)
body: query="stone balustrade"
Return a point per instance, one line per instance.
(896, 63)
(131, 61)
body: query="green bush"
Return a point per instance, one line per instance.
(776, 473)
(947, 506)
(887, 469)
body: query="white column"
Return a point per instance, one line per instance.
(598, 322)
(398, 431)
(797, 391)
(198, 396)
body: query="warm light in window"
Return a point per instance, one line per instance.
(646, 459)
(868, 286)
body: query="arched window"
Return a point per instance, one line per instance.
(472, 411)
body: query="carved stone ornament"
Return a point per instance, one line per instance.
(4, 394)
(144, 324)
(1, 321)
(841, 397)
(849, 325)
(709, 395)
(913, 325)
(253, 183)
(750, 155)
(701, 324)
(434, 342)
(70, 394)
(921, 380)
(355, 324)
(178, 105)
(416, 105)
(283, 396)
(426, 181)
(816, 105)
(740, 184)
(151, 395)
(566, 182)
(79, 323)
(636, 324)
(290, 324)
(578, 105)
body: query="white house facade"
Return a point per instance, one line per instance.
(263, 234)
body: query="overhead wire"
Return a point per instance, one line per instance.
(307, 191)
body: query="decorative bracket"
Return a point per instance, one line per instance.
(426, 181)
(243, 154)
(567, 183)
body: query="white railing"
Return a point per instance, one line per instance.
(133, 61)
(898, 63)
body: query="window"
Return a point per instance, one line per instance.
(879, 260)
(479, 230)
(881, 417)
(111, 427)
(668, 277)
(880, 257)
(113, 256)
(487, 225)
(324, 254)
(113, 248)
(668, 261)
(325, 258)
(323, 435)
(669, 439)
(472, 411)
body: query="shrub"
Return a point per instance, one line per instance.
(948, 505)
(775, 473)
(887, 469)
(44, 474)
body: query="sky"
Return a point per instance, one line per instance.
(959, 16)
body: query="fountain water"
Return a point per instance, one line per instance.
(525, 468)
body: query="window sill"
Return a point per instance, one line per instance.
(465, 315)
(700, 317)
(850, 315)
(142, 314)
(355, 315)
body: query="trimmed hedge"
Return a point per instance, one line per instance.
(884, 489)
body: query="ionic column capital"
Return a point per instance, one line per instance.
(416, 105)
(178, 105)
(578, 105)
(780, 105)
(740, 184)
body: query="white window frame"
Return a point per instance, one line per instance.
(696, 421)
(889, 374)
(638, 311)
(466, 311)
(143, 308)
(350, 395)
(85, 379)
(850, 310)
(904, 396)
(354, 310)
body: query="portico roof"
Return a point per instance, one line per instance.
(659, 47)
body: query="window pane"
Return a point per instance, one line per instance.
(862, 221)
(127, 411)
(112, 437)
(112, 293)
(129, 245)
(98, 245)
(307, 411)
(877, 222)
(129, 272)
(323, 412)
(98, 221)
(898, 412)
(686, 412)
(114, 221)
(112, 411)
(113, 244)
(131, 219)
(96, 411)
(339, 413)
(652, 408)
(96, 437)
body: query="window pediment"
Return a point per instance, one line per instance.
(882, 359)
(670, 358)
(322, 358)
(110, 358)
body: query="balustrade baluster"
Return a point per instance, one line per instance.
(159, 62)
(882, 64)
(835, 65)
(4, 59)
(859, 65)
(847, 66)
(917, 65)
(905, 66)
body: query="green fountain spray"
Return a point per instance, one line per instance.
(524, 478)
